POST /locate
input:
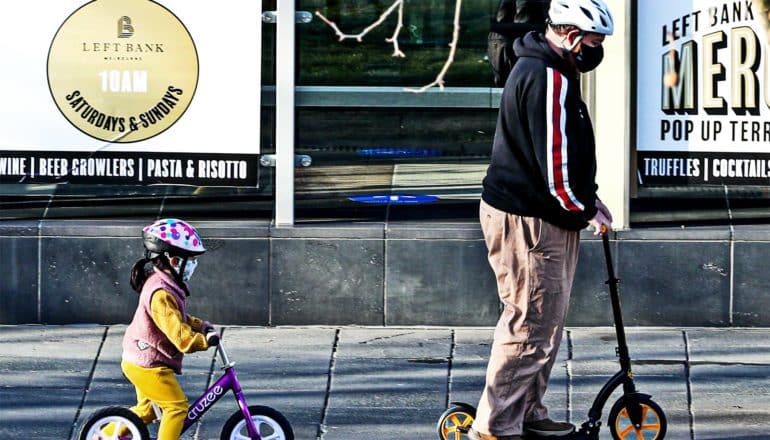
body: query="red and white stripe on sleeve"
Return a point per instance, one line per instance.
(556, 139)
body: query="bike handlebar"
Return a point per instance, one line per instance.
(220, 347)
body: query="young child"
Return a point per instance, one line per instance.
(161, 330)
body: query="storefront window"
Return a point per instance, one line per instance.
(424, 38)
(388, 142)
(374, 141)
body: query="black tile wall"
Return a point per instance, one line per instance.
(18, 280)
(231, 283)
(85, 279)
(327, 281)
(407, 273)
(751, 284)
(440, 282)
(675, 283)
(590, 300)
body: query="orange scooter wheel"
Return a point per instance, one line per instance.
(653, 422)
(455, 422)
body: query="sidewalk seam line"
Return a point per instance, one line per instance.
(452, 348)
(385, 276)
(327, 398)
(88, 382)
(270, 250)
(688, 382)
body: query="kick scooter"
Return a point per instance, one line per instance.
(247, 423)
(634, 416)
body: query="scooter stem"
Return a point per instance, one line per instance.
(624, 356)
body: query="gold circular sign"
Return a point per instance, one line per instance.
(122, 70)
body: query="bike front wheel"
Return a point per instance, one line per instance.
(114, 422)
(271, 425)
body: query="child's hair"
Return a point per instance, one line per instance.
(139, 273)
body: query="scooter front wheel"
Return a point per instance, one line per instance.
(455, 422)
(653, 421)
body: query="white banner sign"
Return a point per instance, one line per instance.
(703, 111)
(131, 91)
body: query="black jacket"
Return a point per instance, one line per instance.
(543, 158)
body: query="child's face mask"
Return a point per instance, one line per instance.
(189, 268)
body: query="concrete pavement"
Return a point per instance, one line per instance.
(354, 383)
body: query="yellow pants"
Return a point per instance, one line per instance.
(158, 385)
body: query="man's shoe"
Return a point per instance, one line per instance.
(474, 435)
(548, 428)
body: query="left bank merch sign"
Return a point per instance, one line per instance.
(703, 87)
(138, 92)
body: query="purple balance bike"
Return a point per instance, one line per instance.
(247, 423)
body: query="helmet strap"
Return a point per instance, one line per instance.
(178, 273)
(574, 44)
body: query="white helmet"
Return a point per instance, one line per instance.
(587, 15)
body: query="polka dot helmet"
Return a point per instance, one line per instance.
(177, 237)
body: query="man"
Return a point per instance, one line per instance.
(539, 192)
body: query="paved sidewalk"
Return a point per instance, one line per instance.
(361, 383)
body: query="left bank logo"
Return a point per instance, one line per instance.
(124, 86)
(125, 30)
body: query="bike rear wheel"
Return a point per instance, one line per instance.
(271, 425)
(101, 425)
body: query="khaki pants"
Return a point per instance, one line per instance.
(534, 263)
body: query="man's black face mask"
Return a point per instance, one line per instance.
(589, 58)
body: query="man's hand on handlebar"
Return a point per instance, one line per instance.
(602, 221)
